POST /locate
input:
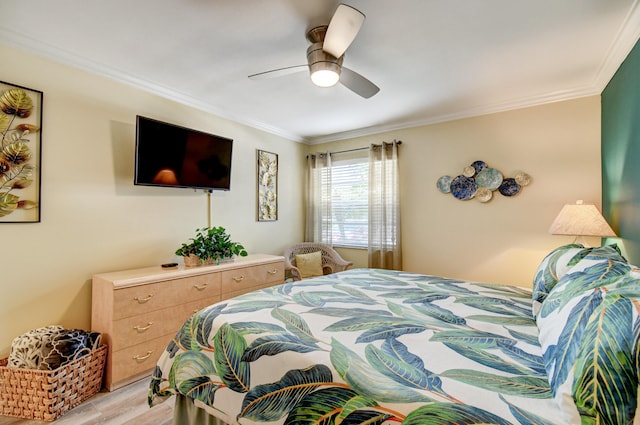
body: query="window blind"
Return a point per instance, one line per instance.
(349, 202)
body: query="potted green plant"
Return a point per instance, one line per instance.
(189, 252)
(210, 246)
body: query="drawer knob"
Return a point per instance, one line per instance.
(143, 300)
(141, 329)
(274, 271)
(238, 278)
(140, 358)
(201, 287)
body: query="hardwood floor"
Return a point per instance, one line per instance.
(125, 406)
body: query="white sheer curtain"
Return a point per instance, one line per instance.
(384, 207)
(318, 202)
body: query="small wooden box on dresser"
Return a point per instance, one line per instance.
(139, 311)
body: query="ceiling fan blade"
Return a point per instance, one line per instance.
(357, 83)
(279, 72)
(342, 30)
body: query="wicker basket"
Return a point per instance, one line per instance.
(191, 261)
(47, 394)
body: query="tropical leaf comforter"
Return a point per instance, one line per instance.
(363, 346)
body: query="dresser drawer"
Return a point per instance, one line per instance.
(140, 311)
(138, 329)
(136, 359)
(239, 281)
(137, 300)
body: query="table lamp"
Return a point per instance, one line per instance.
(581, 220)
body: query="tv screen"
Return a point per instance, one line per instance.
(174, 156)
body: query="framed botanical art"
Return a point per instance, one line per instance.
(20, 134)
(267, 185)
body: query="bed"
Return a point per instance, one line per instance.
(369, 346)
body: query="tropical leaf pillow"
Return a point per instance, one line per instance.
(607, 252)
(552, 268)
(591, 267)
(590, 336)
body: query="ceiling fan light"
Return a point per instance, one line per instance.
(325, 77)
(324, 68)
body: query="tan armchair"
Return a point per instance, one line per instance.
(332, 262)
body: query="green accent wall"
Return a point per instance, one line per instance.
(621, 154)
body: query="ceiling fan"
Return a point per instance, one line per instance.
(326, 54)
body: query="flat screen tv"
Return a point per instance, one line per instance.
(169, 155)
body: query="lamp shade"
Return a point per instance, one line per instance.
(581, 219)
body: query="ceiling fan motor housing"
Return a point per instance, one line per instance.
(324, 68)
(321, 61)
(326, 53)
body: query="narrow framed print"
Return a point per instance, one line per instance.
(267, 173)
(20, 150)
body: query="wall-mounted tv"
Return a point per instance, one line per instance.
(173, 156)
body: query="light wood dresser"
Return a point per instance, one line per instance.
(139, 311)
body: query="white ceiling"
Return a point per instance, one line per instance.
(434, 60)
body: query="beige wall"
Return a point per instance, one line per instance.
(503, 240)
(94, 219)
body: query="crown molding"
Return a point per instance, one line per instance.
(467, 113)
(625, 40)
(55, 54)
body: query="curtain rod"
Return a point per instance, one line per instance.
(399, 142)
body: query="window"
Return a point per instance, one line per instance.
(353, 201)
(348, 192)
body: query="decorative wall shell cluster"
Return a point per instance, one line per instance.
(479, 181)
